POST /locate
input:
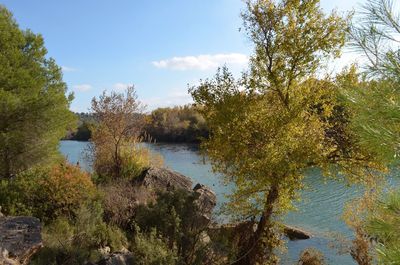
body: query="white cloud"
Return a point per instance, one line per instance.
(202, 62)
(68, 69)
(82, 88)
(119, 87)
(176, 97)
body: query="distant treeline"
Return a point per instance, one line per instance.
(182, 124)
(178, 124)
(82, 132)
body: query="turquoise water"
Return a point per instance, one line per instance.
(319, 211)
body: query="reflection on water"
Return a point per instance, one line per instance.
(319, 211)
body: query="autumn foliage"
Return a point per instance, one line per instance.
(47, 193)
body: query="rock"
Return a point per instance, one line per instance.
(163, 179)
(117, 259)
(20, 239)
(294, 233)
(104, 250)
(206, 201)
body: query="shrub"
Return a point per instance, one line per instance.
(77, 241)
(120, 200)
(117, 129)
(47, 193)
(311, 256)
(134, 160)
(149, 249)
(138, 159)
(176, 217)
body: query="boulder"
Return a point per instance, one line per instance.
(295, 233)
(163, 179)
(206, 201)
(20, 239)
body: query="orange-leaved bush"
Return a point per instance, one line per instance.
(47, 193)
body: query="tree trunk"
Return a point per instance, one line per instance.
(260, 247)
(117, 162)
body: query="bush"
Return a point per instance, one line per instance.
(176, 218)
(311, 256)
(120, 200)
(134, 160)
(149, 249)
(47, 193)
(79, 240)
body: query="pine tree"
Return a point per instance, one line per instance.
(34, 108)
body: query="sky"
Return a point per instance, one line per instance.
(159, 46)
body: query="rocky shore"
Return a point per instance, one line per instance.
(20, 239)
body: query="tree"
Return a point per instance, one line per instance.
(177, 124)
(119, 122)
(375, 102)
(383, 224)
(279, 120)
(34, 110)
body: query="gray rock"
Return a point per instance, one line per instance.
(20, 239)
(163, 179)
(206, 201)
(295, 233)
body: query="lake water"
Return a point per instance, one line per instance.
(319, 211)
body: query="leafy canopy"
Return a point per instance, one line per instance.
(270, 126)
(119, 123)
(34, 110)
(266, 128)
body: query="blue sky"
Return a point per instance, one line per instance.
(160, 46)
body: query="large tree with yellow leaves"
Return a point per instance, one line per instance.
(279, 120)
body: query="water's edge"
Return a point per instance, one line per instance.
(319, 211)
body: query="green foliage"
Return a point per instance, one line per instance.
(383, 225)
(82, 133)
(374, 106)
(374, 99)
(279, 119)
(47, 193)
(77, 240)
(150, 249)
(176, 217)
(178, 124)
(133, 160)
(34, 110)
(373, 34)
